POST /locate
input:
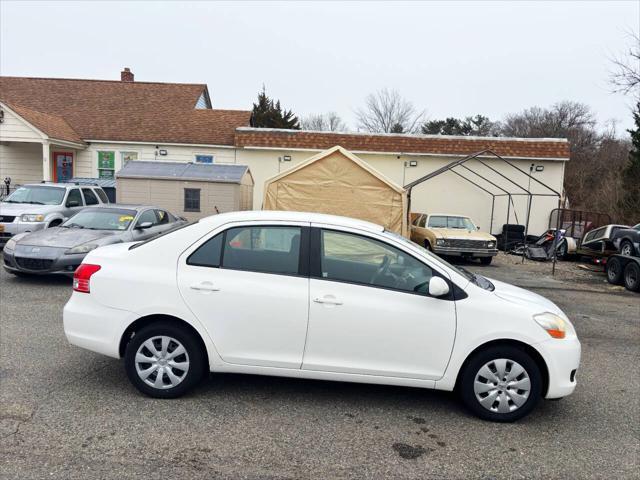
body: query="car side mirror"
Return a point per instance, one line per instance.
(73, 203)
(144, 225)
(438, 287)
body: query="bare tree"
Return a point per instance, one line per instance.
(324, 122)
(386, 111)
(625, 77)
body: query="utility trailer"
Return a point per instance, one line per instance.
(625, 270)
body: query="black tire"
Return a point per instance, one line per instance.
(626, 248)
(54, 223)
(511, 354)
(194, 354)
(614, 270)
(632, 277)
(427, 245)
(486, 260)
(562, 250)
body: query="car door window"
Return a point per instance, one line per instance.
(147, 216)
(262, 249)
(102, 195)
(421, 221)
(352, 258)
(208, 254)
(90, 197)
(74, 199)
(163, 217)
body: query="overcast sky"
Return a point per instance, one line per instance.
(451, 59)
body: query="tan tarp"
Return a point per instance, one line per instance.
(339, 183)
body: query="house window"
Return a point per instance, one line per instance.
(127, 157)
(204, 158)
(106, 164)
(191, 199)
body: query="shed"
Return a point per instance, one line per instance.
(337, 182)
(192, 190)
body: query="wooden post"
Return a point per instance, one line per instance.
(46, 162)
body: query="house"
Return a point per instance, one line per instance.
(55, 129)
(191, 190)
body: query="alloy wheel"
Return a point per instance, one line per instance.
(162, 362)
(626, 249)
(502, 386)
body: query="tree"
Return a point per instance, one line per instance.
(631, 173)
(478, 125)
(324, 122)
(385, 111)
(269, 114)
(625, 77)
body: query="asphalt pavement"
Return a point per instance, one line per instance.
(70, 413)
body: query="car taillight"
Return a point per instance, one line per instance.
(82, 276)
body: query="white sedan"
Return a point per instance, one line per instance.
(319, 297)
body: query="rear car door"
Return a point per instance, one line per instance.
(249, 286)
(369, 310)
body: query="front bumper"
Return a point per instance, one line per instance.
(563, 359)
(465, 252)
(8, 230)
(47, 261)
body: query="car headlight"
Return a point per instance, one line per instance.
(84, 248)
(10, 245)
(554, 325)
(32, 217)
(440, 242)
(491, 244)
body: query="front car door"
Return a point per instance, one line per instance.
(249, 286)
(369, 310)
(73, 203)
(145, 233)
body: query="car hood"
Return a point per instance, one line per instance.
(520, 296)
(16, 209)
(462, 234)
(68, 237)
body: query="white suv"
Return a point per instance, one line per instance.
(322, 297)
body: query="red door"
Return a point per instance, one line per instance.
(62, 166)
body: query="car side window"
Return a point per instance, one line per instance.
(208, 254)
(74, 199)
(102, 195)
(163, 217)
(348, 257)
(267, 249)
(422, 220)
(147, 216)
(90, 197)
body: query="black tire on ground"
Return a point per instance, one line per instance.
(626, 248)
(480, 359)
(562, 250)
(614, 270)
(632, 277)
(194, 351)
(486, 260)
(427, 245)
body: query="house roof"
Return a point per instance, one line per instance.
(123, 111)
(199, 172)
(544, 148)
(53, 126)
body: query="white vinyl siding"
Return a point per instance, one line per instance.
(14, 128)
(22, 162)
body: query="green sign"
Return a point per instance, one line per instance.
(105, 174)
(106, 160)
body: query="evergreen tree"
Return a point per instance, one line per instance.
(397, 128)
(269, 114)
(631, 174)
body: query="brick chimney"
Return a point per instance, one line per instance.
(126, 75)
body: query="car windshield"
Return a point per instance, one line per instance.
(442, 221)
(37, 195)
(101, 219)
(477, 280)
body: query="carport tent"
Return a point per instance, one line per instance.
(492, 188)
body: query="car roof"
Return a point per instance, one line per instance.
(286, 216)
(60, 184)
(446, 215)
(123, 206)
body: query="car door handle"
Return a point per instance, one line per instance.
(204, 287)
(329, 300)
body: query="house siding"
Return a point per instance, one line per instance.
(22, 162)
(15, 129)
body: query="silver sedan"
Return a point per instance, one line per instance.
(61, 249)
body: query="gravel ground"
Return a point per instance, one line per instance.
(69, 413)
